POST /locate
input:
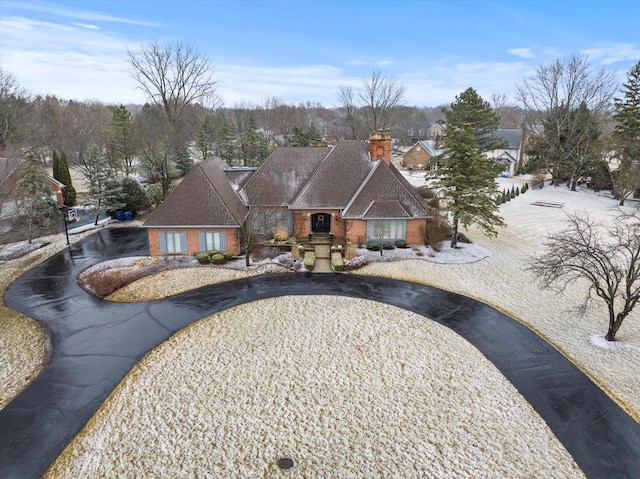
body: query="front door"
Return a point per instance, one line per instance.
(321, 223)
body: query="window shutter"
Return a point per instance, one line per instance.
(183, 242)
(163, 242)
(201, 241)
(223, 241)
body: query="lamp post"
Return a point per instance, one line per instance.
(64, 221)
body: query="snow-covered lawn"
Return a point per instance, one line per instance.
(346, 388)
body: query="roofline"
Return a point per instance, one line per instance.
(364, 183)
(190, 226)
(389, 218)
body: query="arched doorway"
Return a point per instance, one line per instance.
(321, 223)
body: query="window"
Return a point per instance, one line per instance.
(386, 229)
(173, 242)
(210, 240)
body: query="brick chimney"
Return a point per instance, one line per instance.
(380, 146)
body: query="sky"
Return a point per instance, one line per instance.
(298, 51)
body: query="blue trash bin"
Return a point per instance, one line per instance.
(128, 216)
(120, 215)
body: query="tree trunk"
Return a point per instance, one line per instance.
(454, 234)
(614, 326)
(97, 214)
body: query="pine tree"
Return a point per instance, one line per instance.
(467, 183)
(122, 140)
(470, 108)
(36, 203)
(627, 136)
(69, 192)
(55, 166)
(104, 190)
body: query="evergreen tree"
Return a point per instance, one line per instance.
(182, 159)
(470, 108)
(105, 191)
(302, 138)
(122, 141)
(467, 183)
(134, 197)
(224, 139)
(69, 192)
(251, 144)
(55, 166)
(627, 136)
(36, 203)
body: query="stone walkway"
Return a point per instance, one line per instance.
(323, 259)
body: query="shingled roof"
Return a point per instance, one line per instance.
(205, 197)
(279, 179)
(338, 177)
(385, 194)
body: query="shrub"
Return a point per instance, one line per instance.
(387, 245)
(525, 187)
(203, 258)
(517, 191)
(265, 252)
(462, 238)
(436, 232)
(228, 255)
(309, 260)
(374, 245)
(212, 252)
(401, 244)
(217, 258)
(281, 235)
(336, 261)
(288, 262)
(292, 240)
(355, 263)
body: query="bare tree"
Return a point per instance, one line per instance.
(609, 260)
(18, 115)
(262, 221)
(349, 111)
(558, 90)
(372, 107)
(173, 76)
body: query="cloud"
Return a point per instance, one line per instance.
(613, 53)
(254, 83)
(74, 13)
(522, 52)
(87, 26)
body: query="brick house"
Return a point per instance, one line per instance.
(349, 191)
(419, 155)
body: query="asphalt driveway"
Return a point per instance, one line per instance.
(95, 343)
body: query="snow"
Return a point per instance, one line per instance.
(367, 390)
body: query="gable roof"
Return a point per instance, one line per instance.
(385, 193)
(205, 197)
(337, 178)
(513, 137)
(279, 179)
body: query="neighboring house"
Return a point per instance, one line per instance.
(427, 131)
(420, 154)
(512, 155)
(350, 191)
(10, 171)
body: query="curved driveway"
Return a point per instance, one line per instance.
(96, 343)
